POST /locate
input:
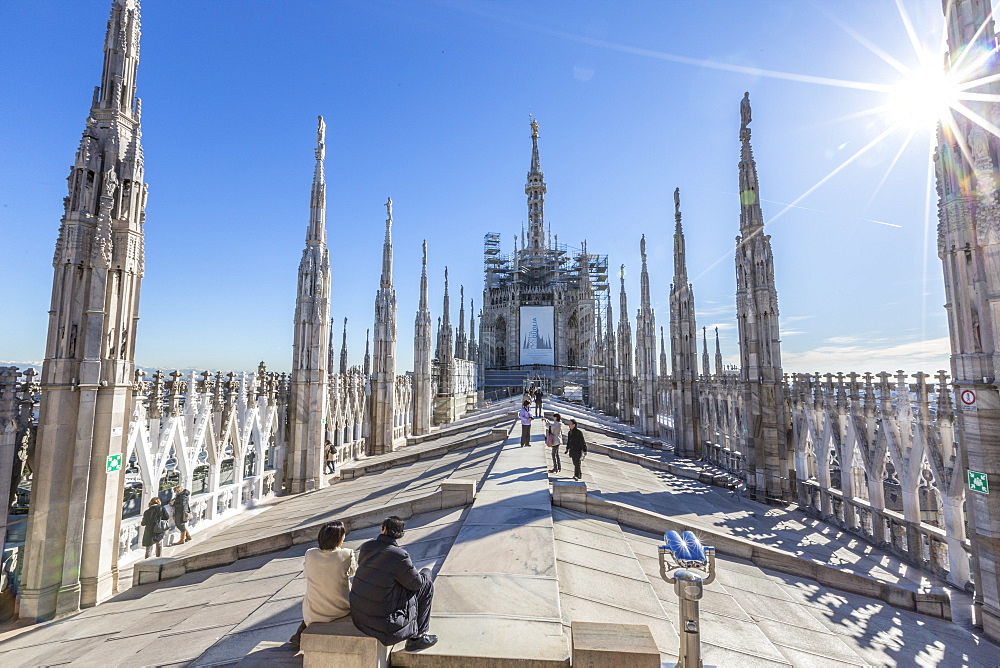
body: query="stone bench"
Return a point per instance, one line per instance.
(339, 644)
(620, 645)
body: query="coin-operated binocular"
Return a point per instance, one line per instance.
(691, 566)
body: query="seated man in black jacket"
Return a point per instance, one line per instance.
(390, 599)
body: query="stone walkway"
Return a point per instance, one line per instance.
(703, 505)
(512, 573)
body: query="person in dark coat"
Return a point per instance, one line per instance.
(576, 447)
(538, 402)
(153, 533)
(182, 512)
(390, 599)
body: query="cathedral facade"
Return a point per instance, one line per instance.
(540, 303)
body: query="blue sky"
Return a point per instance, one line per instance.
(428, 102)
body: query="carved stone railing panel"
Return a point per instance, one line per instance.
(852, 434)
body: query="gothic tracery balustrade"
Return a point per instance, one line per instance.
(874, 453)
(220, 436)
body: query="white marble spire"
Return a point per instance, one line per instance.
(766, 443)
(718, 354)
(423, 406)
(71, 547)
(625, 353)
(382, 436)
(683, 346)
(461, 343)
(535, 190)
(343, 350)
(309, 398)
(645, 344)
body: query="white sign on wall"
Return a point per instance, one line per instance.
(967, 400)
(537, 335)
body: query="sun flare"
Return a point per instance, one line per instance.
(923, 98)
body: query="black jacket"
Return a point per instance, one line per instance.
(152, 515)
(182, 508)
(383, 595)
(575, 444)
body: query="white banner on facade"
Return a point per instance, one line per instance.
(537, 334)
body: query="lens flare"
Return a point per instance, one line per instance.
(923, 97)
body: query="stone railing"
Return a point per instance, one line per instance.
(347, 423)
(854, 434)
(207, 509)
(875, 454)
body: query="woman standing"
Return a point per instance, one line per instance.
(525, 417)
(155, 522)
(182, 512)
(554, 439)
(576, 447)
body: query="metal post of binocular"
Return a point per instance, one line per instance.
(691, 566)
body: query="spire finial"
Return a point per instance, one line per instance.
(534, 126)
(320, 139)
(745, 115)
(423, 280)
(642, 249)
(387, 247)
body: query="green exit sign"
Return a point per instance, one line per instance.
(978, 482)
(114, 463)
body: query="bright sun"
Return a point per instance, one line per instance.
(922, 98)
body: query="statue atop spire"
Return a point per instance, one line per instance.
(387, 247)
(423, 280)
(320, 139)
(751, 217)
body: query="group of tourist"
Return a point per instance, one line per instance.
(156, 521)
(576, 445)
(386, 597)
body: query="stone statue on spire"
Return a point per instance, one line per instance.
(745, 116)
(320, 139)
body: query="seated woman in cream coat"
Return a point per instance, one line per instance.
(328, 570)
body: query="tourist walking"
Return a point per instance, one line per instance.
(155, 522)
(182, 512)
(576, 447)
(331, 458)
(538, 402)
(328, 569)
(390, 599)
(524, 415)
(554, 439)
